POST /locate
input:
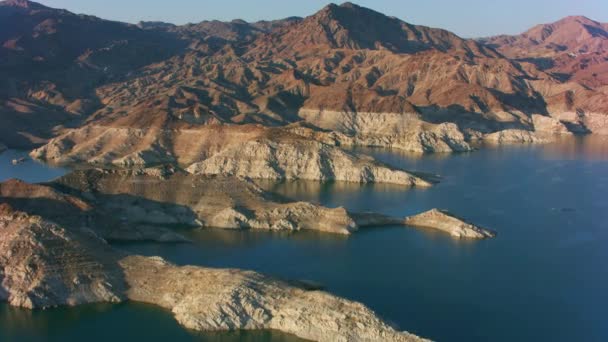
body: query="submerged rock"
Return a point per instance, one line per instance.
(444, 221)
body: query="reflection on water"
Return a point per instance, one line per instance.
(543, 278)
(107, 322)
(235, 238)
(587, 148)
(318, 192)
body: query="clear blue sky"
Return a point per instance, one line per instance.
(467, 18)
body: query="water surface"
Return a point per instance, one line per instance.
(29, 170)
(543, 278)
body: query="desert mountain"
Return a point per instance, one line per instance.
(345, 70)
(51, 60)
(574, 48)
(349, 26)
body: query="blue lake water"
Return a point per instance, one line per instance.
(543, 278)
(29, 170)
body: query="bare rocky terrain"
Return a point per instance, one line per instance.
(444, 221)
(181, 121)
(393, 84)
(43, 264)
(215, 300)
(54, 251)
(296, 152)
(139, 205)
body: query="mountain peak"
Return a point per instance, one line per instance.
(349, 4)
(351, 7)
(578, 19)
(239, 22)
(350, 26)
(567, 31)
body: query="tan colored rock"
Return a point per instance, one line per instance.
(444, 221)
(94, 144)
(403, 131)
(139, 197)
(301, 159)
(44, 265)
(597, 123)
(516, 136)
(217, 300)
(549, 125)
(248, 150)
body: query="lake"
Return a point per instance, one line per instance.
(544, 277)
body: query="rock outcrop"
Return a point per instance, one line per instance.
(301, 159)
(2, 147)
(77, 210)
(136, 205)
(215, 300)
(245, 150)
(201, 201)
(43, 264)
(403, 131)
(516, 136)
(446, 222)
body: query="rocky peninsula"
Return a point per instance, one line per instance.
(43, 264)
(250, 150)
(54, 250)
(165, 196)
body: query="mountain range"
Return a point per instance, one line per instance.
(346, 75)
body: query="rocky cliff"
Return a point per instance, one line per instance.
(139, 204)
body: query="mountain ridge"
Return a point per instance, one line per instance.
(342, 59)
